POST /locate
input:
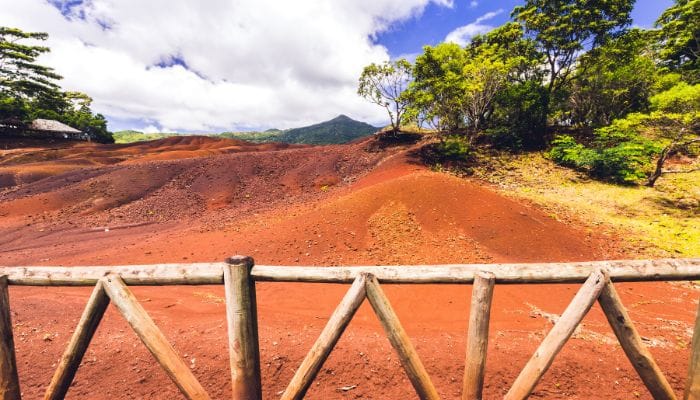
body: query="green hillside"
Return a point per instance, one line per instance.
(341, 129)
(122, 137)
(270, 135)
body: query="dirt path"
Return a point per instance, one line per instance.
(315, 206)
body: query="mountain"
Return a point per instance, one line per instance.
(341, 129)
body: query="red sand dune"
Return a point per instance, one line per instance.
(190, 200)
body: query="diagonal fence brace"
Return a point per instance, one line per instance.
(79, 342)
(641, 359)
(153, 338)
(399, 340)
(557, 337)
(327, 340)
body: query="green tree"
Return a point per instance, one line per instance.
(562, 29)
(637, 147)
(384, 85)
(519, 109)
(21, 78)
(604, 88)
(29, 90)
(680, 37)
(485, 74)
(437, 93)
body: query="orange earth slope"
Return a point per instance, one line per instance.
(199, 199)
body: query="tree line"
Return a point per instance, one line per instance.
(29, 91)
(570, 76)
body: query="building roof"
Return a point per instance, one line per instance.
(52, 126)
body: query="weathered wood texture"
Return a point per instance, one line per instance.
(692, 388)
(557, 337)
(241, 316)
(325, 343)
(478, 336)
(155, 274)
(632, 344)
(79, 342)
(9, 381)
(153, 338)
(400, 341)
(211, 273)
(576, 272)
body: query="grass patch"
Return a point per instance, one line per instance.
(661, 222)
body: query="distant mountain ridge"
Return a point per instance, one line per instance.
(341, 129)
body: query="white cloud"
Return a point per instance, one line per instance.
(473, 4)
(463, 34)
(250, 63)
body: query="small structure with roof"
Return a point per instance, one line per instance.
(44, 128)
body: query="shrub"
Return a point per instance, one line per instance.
(454, 148)
(681, 98)
(618, 155)
(567, 152)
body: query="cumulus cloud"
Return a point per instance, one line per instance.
(216, 64)
(473, 4)
(463, 34)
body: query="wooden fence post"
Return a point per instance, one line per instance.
(632, 344)
(9, 380)
(153, 338)
(241, 316)
(557, 337)
(399, 340)
(478, 335)
(326, 341)
(692, 388)
(79, 342)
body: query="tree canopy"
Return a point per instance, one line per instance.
(29, 90)
(570, 76)
(385, 85)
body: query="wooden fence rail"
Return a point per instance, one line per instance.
(239, 274)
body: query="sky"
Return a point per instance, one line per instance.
(218, 65)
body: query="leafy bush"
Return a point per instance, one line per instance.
(625, 163)
(567, 152)
(617, 153)
(681, 98)
(455, 148)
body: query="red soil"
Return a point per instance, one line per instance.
(191, 200)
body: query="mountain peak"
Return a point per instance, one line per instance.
(342, 117)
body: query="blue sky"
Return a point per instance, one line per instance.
(216, 65)
(436, 22)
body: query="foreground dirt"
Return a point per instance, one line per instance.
(195, 200)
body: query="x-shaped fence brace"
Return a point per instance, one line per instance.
(241, 312)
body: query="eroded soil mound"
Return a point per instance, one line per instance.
(37, 160)
(349, 205)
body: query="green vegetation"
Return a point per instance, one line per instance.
(385, 85)
(29, 90)
(341, 129)
(655, 222)
(569, 77)
(270, 135)
(122, 137)
(679, 38)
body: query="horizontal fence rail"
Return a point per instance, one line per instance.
(212, 273)
(239, 274)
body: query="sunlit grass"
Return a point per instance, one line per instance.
(660, 221)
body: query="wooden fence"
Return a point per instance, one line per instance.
(238, 274)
